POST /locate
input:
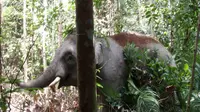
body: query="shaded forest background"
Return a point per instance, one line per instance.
(33, 29)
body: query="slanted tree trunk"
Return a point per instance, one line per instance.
(86, 56)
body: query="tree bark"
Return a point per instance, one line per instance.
(60, 25)
(0, 38)
(25, 66)
(86, 56)
(44, 35)
(0, 44)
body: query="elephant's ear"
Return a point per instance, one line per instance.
(98, 53)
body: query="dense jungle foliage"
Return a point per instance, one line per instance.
(33, 29)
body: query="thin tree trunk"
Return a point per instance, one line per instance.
(193, 67)
(0, 44)
(53, 37)
(139, 14)
(0, 37)
(44, 34)
(60, 25)
(171, 39)
(32, 29)
(151, 23)
(171, 28)
(187, 36)
(60, 32)
(86, 56)
(25, 66)
(111, 16)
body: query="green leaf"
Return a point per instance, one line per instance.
(186, 67)
(110, 92)
(132, 88)
(99, 85)
(3, 105)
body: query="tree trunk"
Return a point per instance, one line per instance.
(171, 28)
(86, 56)
(1, 38)
(193, 66)
(0, 44)
(60, 25)
(25, 66)
(44, 34)
(139, 12)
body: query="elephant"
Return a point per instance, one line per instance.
(108, 57)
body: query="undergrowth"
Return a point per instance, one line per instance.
(152, 85)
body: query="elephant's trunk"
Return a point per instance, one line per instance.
(43, 81)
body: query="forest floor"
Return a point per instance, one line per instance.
(63, 100)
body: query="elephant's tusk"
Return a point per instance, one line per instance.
(56, 80)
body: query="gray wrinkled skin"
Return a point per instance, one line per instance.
(109, 57)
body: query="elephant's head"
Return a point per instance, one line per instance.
(63, 68)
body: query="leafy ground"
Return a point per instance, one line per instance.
(63, 100)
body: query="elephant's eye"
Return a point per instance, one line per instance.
(69, 58)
